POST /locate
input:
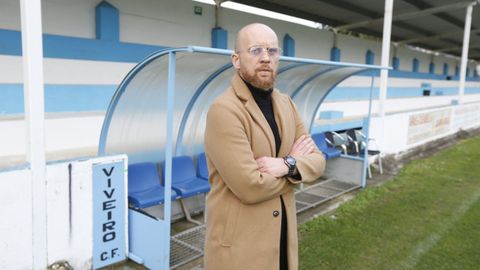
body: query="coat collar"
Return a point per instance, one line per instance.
(244, 94)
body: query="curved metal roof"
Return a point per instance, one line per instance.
(136, 121)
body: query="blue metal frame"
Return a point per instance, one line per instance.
(366, 130)
(167, 210)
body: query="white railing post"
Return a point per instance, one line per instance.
(32, 50)
(463, 63)
(387, 29)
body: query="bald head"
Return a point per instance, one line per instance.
(256, 55)
(254, 34)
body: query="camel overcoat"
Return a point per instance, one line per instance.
(244, 205)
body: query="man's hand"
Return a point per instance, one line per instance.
(273, 166)
(304, 145)
(276, 167)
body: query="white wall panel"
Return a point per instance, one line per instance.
(16, 225)
(67, 71)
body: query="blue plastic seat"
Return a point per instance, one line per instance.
(184, 178)
(329, 152)
(202, 169)
(144, 189)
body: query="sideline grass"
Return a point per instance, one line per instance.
(428, 217)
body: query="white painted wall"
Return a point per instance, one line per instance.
(16, 226)
(360, 108)
(72, 243)
(67, 71)
(364, 81)
(65, 133)
(399, 132)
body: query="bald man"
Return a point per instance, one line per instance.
(257, 151)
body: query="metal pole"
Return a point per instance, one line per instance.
(31, 18)
(169, 155)
(367, 134)
(466, 41)
(387, 29)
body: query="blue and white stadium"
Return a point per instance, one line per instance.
(103, 106)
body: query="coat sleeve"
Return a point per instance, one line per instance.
(311, 166)
(229, 150)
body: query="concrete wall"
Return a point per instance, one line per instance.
(399, 132)
(70, 214)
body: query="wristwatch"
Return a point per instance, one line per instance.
(291, 163)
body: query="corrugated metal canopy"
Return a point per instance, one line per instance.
(136, 119)
(435, 25)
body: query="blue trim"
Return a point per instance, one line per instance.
(219, 38)
(107, 22)
(415, 65)
(88, 98)
(335, 54)
(421, 75)
(288, 46)
(192, 101)
(331, 115)
(445, 69)
(55, 46)
(58, 98)
(366, 129)
(369, 58)
(396, 63)
(431, 68)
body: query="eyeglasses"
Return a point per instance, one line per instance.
(257, 51)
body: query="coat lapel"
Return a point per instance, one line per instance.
(251, 106)
(279, 111)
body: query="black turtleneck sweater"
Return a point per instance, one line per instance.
(263, 98)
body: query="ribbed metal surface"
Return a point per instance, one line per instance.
(136, 119)
(320, 192)
(187, 246)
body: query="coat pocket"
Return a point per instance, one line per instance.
(231, 221)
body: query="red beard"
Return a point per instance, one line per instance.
(259, 81)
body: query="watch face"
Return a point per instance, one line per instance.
(291, 161)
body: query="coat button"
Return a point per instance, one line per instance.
(276, 213)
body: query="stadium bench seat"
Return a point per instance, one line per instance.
(185, 182)
(357, 145)
(184, 178)
(144, 188)
(329, 152)
(202, 169)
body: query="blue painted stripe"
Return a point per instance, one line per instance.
(418, 75)
(362, 93)
(55, 46)
(81, 98)
(59, 98)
